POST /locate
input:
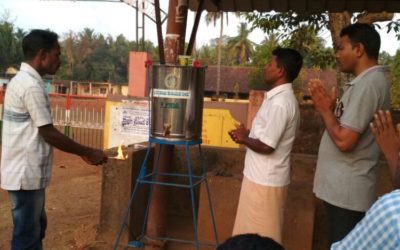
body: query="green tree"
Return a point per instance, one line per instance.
(262, 54)
(120, 52)
(241, 46)
(10, 53)
(68, 56)
(86, 55)
(306, 40)
(101, 61)
(213, 17)
(385, 58)
(19, 34)
(208, 55)
(290, 21)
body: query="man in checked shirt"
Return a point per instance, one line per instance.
(29, 137)
(380, 228)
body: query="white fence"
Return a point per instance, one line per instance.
(82, 124)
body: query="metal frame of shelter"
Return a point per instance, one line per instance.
(146, 7)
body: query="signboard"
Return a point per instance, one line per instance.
(126, 122)
(133, 121)
(171, 93)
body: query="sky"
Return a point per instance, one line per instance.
(119, 18)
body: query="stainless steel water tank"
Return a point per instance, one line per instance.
(177, 102)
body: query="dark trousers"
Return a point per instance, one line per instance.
(341, 221)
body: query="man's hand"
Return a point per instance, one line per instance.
(95, 157)
(345, 139)
(387, 139)
(321, 99)
(53, 137)
(239, 134)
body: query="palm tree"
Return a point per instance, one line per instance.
(69, 46)
(213, 17)
(306, 40)
(240, 46)
(263, 51)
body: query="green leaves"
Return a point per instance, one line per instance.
(10, 44)
(86, 55)
(240, 47)
(271, 22)
(90, 56)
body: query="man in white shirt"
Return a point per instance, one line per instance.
(28, 139)
(269, 143)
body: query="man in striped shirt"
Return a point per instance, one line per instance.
(28, 139)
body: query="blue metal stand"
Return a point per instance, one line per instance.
(150, 179)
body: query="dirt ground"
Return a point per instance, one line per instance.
(73, 208)
(72, 205)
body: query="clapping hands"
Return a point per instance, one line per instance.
(239, 134)
(387, 138)
(321, 99)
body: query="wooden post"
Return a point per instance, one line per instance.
(176, 30)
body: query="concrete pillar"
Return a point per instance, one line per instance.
(118, 180)
(137, 74)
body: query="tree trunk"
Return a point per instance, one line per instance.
(219, 55)
(370, 18)
(337, 21)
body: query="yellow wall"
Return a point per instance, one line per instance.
(216, 124)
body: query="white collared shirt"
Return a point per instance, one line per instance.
(26, 158)
(275, 124)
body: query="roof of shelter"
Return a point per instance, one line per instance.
(300, 6)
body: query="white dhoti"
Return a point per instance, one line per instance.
(260, 210)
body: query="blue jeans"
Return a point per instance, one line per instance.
(29, 219)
